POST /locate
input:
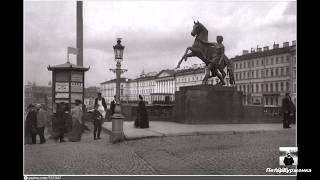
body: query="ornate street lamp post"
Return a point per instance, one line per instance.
(117, 118)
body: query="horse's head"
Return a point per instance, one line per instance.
(196, 28)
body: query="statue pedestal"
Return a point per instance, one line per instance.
(204, 104)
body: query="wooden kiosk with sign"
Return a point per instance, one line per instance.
(67, 83)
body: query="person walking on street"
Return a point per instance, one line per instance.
(97, 123)
(41, 122)
(286, 110)
(31, 124)
(77, 115)
(100, 102)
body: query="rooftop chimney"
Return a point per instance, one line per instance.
(266, 48)
(245, 52)
(252, 50)
(294, 43)
(275, 46)
(286, 44)
(79, 33)
(259, 49)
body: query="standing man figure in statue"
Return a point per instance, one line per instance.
(100, 102)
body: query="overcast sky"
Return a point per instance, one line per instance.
(155, 34)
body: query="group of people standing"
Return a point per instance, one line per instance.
(35, 123)
(71, 122)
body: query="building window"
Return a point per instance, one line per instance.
(282, 59)
(281, 86)
(288, 58)
(277, 71)
(257, 88)
(271, 61)
(287, 71)
(266, 87)
(277, 87)
(287, 86)
(240, 65)
(295, 88)
(271, 72)
(271, 87)
(244, 65)
(277, 60)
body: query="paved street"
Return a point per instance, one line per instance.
(239, 153)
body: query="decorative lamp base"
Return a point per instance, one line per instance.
(117, 128)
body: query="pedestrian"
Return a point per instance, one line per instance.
(286, 110)
(113, 106)
(31, 125)
(41, 122)
(142, 120)
(60, 122)
(77, 115)
(97, 123)
(100, 102)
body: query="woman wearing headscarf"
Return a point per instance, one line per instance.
(77, 114)
(142, 120)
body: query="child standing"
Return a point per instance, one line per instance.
(97, 123)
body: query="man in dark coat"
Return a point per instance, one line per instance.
(62, 119)
(112, 106)
(102, 100)
(31, 124)
(287, 110)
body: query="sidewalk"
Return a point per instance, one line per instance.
(162, 129)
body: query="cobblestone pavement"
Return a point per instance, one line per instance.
(240, 153)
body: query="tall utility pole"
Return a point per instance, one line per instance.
(79, 33)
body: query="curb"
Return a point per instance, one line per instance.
(194, 133)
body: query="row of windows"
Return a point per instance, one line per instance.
(150, 83)
(261, 73)
(262, 62)
(282, 86)
(189, 79)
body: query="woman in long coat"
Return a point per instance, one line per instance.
(142, 120)
(77, 128)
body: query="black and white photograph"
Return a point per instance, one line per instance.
(150, 88)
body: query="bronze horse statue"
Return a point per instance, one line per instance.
(210, 54)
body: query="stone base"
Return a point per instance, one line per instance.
(117, 134)
(208, 104)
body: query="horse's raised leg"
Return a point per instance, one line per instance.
(184, 57)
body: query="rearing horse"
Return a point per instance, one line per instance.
(207, 52)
